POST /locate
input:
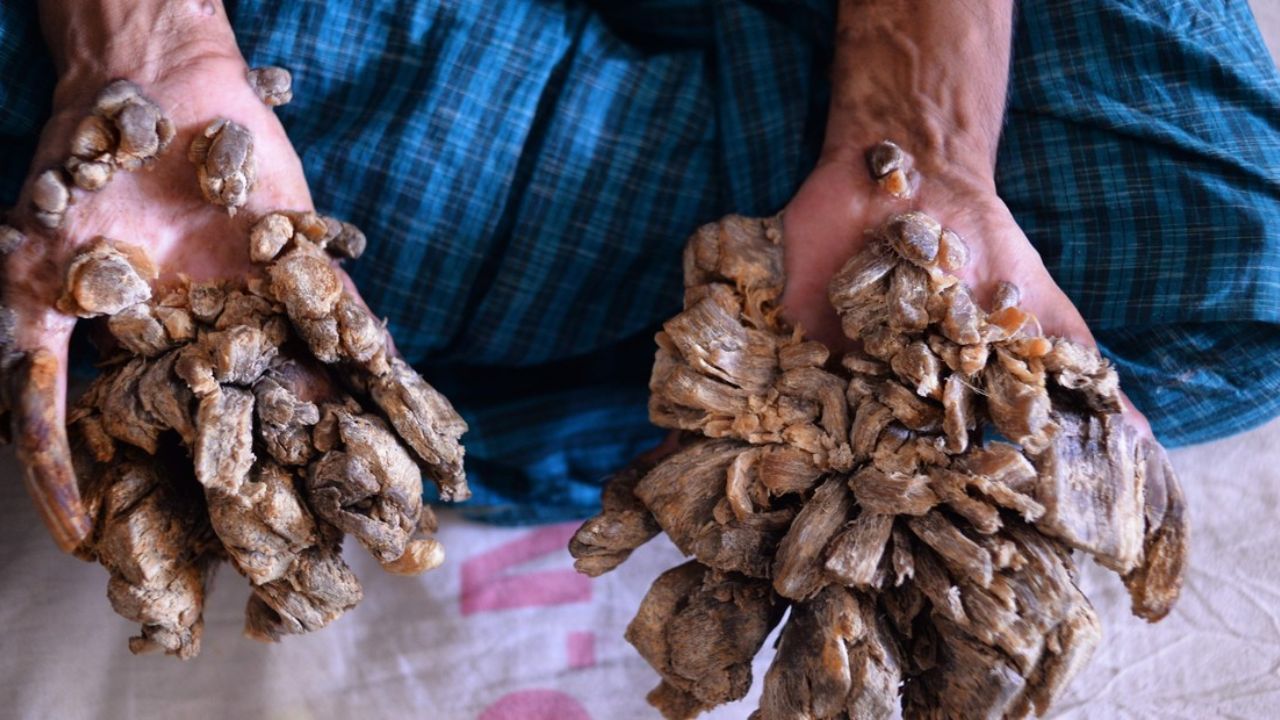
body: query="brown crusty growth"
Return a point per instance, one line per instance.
(891, 168)
(284, 449)
(927, 565)
(624, 524)
(700, 628)
(106, 278)
(273, 85)
(50, 196)
(225, 166)
(125, 131)
(152, 534)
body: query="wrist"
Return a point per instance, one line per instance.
(95, 41)
(949, 164)
(931, 77)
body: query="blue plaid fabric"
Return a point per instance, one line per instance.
(527, 172)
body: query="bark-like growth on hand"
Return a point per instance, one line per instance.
(151, 534)
(10, 239)
(106, 278)
(214, 434)
(891, 168)
(126, 130)
(50, 197)
(915, 504)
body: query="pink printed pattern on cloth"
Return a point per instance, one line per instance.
(488, 586)
(535, 705)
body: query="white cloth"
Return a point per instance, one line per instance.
(505, 630)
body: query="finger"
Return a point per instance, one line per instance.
(36, 341)
(349, 286)
(1134, 417)
(39, 391)
(624, 522)
(326, 312)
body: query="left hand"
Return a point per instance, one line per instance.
(828, 221)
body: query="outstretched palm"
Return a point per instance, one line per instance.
(159, 208)
(827, 221)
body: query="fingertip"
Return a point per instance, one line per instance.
(43, 449)
(1134, 417)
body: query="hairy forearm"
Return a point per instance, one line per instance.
(138, 39)
(930, 75)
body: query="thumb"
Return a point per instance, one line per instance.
(38, 387)
(33, 353)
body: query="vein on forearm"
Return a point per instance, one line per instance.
(931, 74)
(138, 36)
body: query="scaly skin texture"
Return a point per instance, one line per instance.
(919, 554)
(183, 56)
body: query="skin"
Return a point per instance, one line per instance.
(931, 77)
(894, 77)
(183, 55)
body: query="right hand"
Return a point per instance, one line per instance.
(159, 208)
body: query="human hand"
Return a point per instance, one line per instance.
(830, 218)
(193, 77)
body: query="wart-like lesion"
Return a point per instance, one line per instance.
(914, 501)
(255, 421)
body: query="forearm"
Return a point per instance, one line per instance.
(932, 76)
(96, 40)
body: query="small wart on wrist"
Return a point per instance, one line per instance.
(891, 167)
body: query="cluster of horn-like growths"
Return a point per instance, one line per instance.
(913, 503)
(256, 420)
